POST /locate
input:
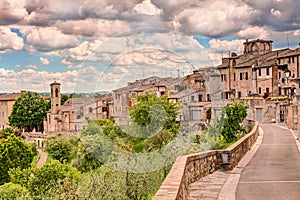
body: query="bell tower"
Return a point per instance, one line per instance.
(55, 97)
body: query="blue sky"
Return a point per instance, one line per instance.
(101, 44)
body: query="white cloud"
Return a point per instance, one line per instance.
(253, 32)
(147, 8)
(214, 18)
(44, 61)
(226, 45)
(74, 66)
(48, 38)
(93, 27)
(275, 12)
(296, 33)
(10, 40)
(31, 67)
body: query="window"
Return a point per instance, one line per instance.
(208, 97)
(259, 72)
(224, 95)
(241, 76)
(200, 97)
(192, 98)
(234, 76)
(259, 90)
(246, 75)
(239, 94)
(279, 91)
(81, 110)
(233, 63)
(90, 109)
(268, 71)
(78, 116)
(267, 90)
(293, 59)
(279, 75)
(223, 77)
(255, 47)
(56, 92)
(104, 109)
(196, 114)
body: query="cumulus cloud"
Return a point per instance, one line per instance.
(213, 20)
(48, 38)
(10, 40)
(253, 32)
(93, 27)
(12, 11)
(44, 61)
(226, 45)
(147, 8)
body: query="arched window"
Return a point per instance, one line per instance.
(56, 92)
(254, 47)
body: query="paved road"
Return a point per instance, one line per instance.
(274, 171)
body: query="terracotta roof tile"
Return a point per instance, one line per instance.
(10, 97)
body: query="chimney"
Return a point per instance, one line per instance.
(233, 54)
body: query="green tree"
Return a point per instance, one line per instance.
(28, 112)
(62, 148)
(233, 114)
(13, 191)
(153, 113)
(14, 153)
(52, 180)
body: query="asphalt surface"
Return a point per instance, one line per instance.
(274, 171)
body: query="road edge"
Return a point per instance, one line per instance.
(229, 188)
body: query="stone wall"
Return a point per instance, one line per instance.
(188, 169)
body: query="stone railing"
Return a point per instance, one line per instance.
(190, 168)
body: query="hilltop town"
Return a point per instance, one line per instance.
(266, 79)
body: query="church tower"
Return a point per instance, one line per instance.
(55, 97)
(257, 46)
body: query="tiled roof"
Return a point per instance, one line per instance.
(257, 59)
(10, 97)
(76, 103)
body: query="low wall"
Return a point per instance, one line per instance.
(190, 168)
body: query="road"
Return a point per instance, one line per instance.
(42, 159)
(274, 171)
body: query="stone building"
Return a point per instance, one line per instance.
(191, 91)
(261, 75)
(6, 104)
(74, 113)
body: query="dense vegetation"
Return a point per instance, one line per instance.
(108, 161)
(14, 153)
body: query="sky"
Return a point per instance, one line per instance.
(100, 45)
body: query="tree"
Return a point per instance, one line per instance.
(28, 112)
(153, 113)
(233, 114)
(62, 148)
(14, 153)
(13, 191)
(48, 182)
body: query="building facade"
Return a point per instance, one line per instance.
(73, 115)
(6, 105)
